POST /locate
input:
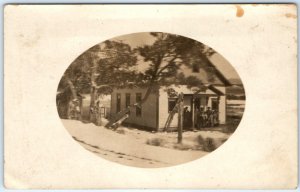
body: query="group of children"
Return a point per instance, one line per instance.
(204, 117)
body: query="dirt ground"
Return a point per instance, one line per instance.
(139, 148)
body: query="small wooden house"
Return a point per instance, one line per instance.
(154, 113)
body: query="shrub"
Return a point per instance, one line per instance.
(155, 141)
(200, 140)
(208, 144)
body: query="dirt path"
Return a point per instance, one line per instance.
(123, 158)
(126, 149)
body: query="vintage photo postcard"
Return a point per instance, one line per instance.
(150, 96)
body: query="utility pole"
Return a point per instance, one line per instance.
(180, 117)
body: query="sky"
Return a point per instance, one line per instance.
(139, 39)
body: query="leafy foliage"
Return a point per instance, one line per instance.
(112, 64)
(168, 53)
(112, 61)
(115, 68)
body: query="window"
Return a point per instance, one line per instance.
(196, 68)
(214, 104)
(118, 102)
(127, 100)
(138, 109)
(171, 104)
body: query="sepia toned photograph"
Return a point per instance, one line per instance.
(185, 96)
(150, 99)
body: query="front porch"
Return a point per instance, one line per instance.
(207, 104)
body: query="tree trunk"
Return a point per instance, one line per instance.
(70, 107)
(92, 105)
(180, 118)
(72, 88)
(97, 112)
(193, 113)
(99, 117)
(93, 92)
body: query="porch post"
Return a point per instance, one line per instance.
(193, 112)
(218, 119)
(180, 117)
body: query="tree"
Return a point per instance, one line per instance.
(111, 70)
(68, 90)
(168, 53)
(165, 57)
(96, 71)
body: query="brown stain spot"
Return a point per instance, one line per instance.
(239, 11)
(291, 15)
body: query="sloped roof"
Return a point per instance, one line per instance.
(202, 75)
(211, 90)
(219, 74)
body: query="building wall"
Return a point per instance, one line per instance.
(148, 119)
(222, 105)
(163, 111)
(222, 109)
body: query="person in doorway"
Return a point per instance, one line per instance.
(196, 119)
(204, 117)
(186, 118)
(216, 115)
(189, 118)
(212, 118)
(209, 117)
(201, 122)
